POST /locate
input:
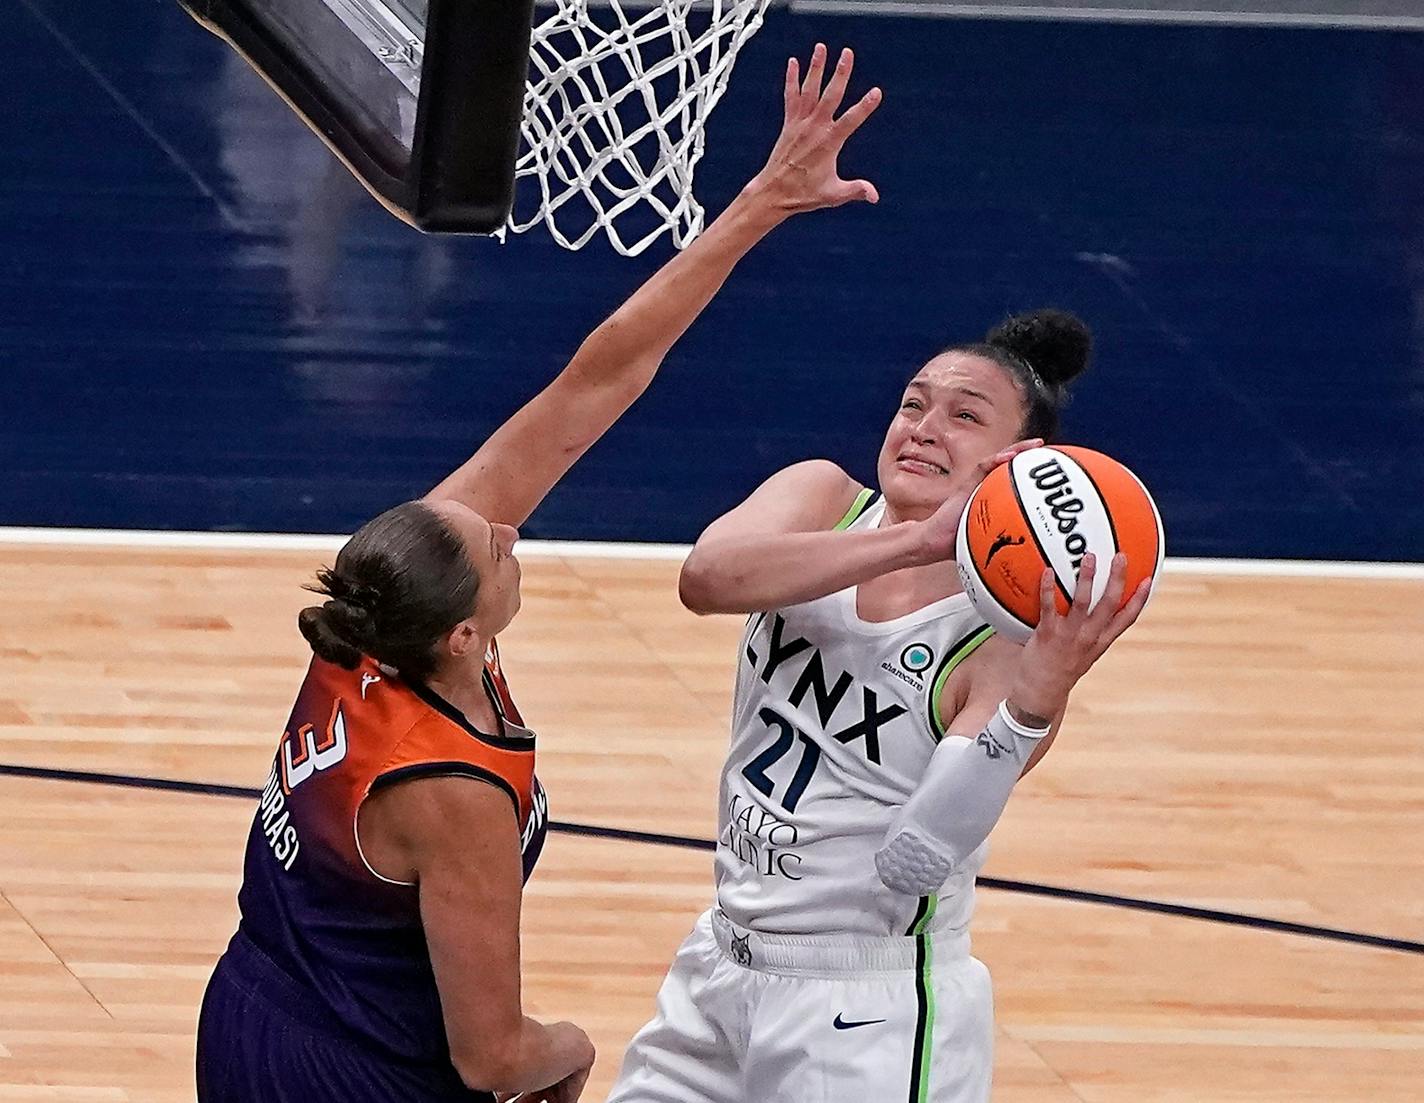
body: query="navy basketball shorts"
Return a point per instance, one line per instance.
(258, 1043)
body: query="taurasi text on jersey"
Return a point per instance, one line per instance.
(272, 809)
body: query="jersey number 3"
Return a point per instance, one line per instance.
(313, 752)
(786, 735)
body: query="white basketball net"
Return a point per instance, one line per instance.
(619, 93)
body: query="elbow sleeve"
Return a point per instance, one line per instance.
(955, 807)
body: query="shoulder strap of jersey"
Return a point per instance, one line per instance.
(857, 507)
(952, 658)
(438, 747)
(498, 686)
(443, 742)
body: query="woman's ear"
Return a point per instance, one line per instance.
(463, 639)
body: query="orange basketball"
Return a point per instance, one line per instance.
(1047, 508)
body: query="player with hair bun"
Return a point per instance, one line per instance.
(378, 957)
(878, 726)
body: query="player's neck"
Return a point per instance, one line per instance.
(463, 687)
(902, 592)
(899, 593)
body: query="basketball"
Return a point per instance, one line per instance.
(1049, 507)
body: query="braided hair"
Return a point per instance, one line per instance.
(398, 585)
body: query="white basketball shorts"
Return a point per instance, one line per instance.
(750, 1018)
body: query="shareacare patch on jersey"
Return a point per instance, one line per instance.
(913, 662)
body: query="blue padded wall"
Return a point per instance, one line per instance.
(204, 323)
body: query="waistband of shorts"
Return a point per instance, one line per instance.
(277, 988)
(835, 955)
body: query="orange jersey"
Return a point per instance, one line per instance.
(309, 901)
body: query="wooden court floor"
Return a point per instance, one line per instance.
(1253, 747)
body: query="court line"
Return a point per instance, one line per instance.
(1087, 13)
(25, 919)
(596, 549)
(687, 842)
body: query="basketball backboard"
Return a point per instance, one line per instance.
(421, 98)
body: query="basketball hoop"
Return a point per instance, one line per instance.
(618, 98)
(439, 109)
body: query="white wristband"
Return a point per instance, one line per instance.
(1021, 729)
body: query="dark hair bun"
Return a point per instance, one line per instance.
(1054, 343)
(342, 629)
(329, 643)
(401, 582)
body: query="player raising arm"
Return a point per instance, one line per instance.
(377, 956)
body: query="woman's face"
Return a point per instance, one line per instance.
(490, 547)
(958, 410)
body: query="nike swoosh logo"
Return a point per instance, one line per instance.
(841, 1024)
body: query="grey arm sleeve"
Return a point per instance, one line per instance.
(957, 804)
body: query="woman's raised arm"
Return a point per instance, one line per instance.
(522, 461)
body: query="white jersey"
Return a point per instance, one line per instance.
(833, 724)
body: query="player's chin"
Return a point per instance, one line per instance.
(512, 603)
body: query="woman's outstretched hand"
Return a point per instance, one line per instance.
(801, 174)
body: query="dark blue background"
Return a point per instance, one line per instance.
(205, 324)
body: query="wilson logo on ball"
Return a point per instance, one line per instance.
(1046, 509)
(1054, 483)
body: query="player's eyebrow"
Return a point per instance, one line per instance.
(970, 392)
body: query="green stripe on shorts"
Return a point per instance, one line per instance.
(924, 996)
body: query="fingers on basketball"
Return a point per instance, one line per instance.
(999, 458)
(1112, 596)
(1127, 616)
(1048, 509)
(1083, 589)
(1047, 599)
